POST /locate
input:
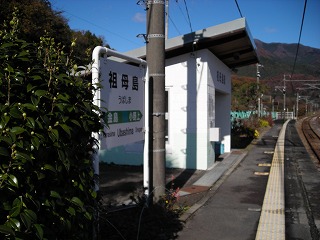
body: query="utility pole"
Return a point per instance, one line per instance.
(156, 76)
(283, 90)
(258, 89)
(284, 96)
(297, 111)
(272, 105)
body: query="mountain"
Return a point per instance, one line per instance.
(278, 59)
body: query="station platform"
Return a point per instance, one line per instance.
(252, 199)
(269, 190)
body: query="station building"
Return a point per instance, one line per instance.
(198, 70)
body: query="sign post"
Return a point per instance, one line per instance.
(122, 98)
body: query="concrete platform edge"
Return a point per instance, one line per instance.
(222, 172)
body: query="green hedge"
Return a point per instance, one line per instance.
(46, 122)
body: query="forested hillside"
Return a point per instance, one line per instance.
(277, 60)
(37, 19)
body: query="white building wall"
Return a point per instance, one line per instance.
(182, 85)
(198, 101)
(202, 111)
(219, 79)
(191, 80)
(176, 73)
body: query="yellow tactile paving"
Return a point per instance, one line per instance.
(272, 220)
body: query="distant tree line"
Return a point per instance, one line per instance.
(39, 19)
(245, 93)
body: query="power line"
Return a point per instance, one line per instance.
(238, 7)
(185, 3)
(295, 59)
(174, 25)
(185, 18)
(93, 24)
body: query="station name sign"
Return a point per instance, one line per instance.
(122, 94)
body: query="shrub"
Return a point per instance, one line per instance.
(263, 123)
(269, 120)
(46, 122)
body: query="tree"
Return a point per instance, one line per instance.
(37, 19)
(244, 93)
(47, 117)
(85, 43)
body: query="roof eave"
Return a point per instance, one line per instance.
(231, 42)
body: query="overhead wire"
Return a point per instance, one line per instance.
(174, 25)
(93, 24)
(185, 3)
(187, 20)
(183, 14)
(267, 73)
(301, 27)
(238, 8)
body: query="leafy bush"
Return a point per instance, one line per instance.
(243, 127)
(269, 121)
(46, 122)
(263, 123)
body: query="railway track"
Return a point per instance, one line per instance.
(311, 131)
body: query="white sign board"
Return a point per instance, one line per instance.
(122, 94)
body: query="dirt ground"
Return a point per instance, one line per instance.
(119, 182)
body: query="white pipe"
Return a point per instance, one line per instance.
(103, 50)
(96, 100)
(146, 139)
(97, 52)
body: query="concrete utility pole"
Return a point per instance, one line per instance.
(283, 90)
(156, 75)
(284, 96)
(258, 89)
(297, 110)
